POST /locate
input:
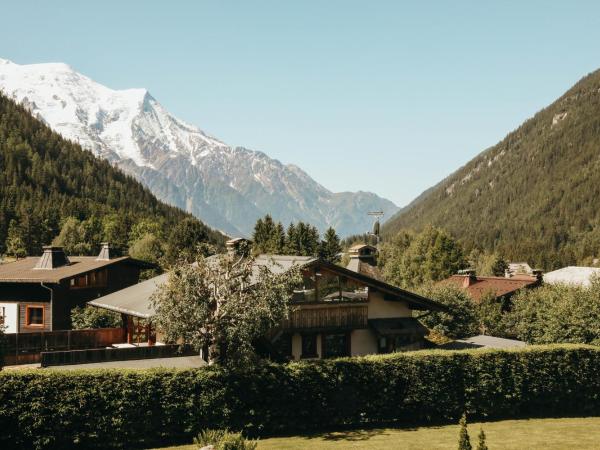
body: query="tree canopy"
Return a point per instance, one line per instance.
(299, 239)
(213, 306)
(410, 260)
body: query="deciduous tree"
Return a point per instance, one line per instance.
(219, 305)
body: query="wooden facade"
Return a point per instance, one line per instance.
(319, 316)
(46, 305)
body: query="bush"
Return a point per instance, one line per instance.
(461, 318)
(84, 317)
(116, 408)
(224, 440)
(557, 314)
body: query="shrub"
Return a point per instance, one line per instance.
(481, 444)
(464, 442)
(84, 317)
(113, 408)
(557, 314)
(461, 318)
(224, 440)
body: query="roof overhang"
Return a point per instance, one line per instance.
(391, 293)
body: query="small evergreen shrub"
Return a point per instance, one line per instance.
(481, 444)
(224, 440)
(464, 442)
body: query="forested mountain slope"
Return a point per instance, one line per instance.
(534, 196)
(45, 178)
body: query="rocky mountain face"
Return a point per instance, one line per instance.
(531, 197)
(229, 188)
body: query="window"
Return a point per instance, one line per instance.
(390, 344)
(309, 346)
(92, 279)
(34, 316)
(336, 345)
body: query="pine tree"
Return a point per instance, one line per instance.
(291, 241)
(15, 244)
(481, 445)
(464, 443)
(277, 240)
(330, 246)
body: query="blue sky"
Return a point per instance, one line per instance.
(388, 97)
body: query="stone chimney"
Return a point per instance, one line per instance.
(538, 274)
(238, 246)
(469, 277)
(52, 258)
(364, 253)
(105, 251)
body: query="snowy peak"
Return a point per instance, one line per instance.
(228, 188)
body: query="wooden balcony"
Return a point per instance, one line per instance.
(319, 316)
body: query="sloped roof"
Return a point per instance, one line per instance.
(24, 271)
(356, 265)
(575, 275)
(479, 286)
(133, 300)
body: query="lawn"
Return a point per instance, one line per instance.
(546, 434)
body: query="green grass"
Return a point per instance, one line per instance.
(533, 434)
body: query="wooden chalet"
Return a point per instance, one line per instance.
(38, 293)
(336, 311)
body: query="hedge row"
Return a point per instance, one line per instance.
(124, 408)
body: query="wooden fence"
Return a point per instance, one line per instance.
(26, 348)
(98, 355)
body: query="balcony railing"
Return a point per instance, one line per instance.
(326, 317)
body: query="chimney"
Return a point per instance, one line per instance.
(52, 258)
(364, 253)
(238, 246)
(538, 274)
(469, 277)
(104, 254)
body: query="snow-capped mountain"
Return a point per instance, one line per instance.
(226, 187)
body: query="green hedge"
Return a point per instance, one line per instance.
(45, 408)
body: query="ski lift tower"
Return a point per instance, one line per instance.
(376, 225)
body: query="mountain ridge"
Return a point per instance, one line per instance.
(532, 195)
(226, 187)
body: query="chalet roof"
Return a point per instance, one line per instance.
(356, 265)
(24, 270)
(133, 300)
(477, 287)
(572, 275)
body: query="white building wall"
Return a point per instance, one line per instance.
(363, 342)
(296, 345)
(383, 309)
(10, 311)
